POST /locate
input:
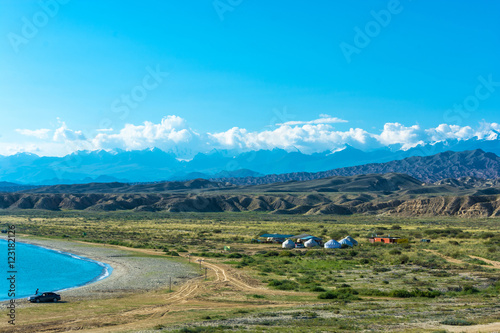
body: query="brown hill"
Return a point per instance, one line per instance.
(180, 186)
(359, 183)
(309, 204)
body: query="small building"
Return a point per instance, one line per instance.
(305, 237)
(346, 242)
(388, 240)
(425, 240)
(311, 243)
(332, 244)
(352, 240)
(288, 244)
(275, 238)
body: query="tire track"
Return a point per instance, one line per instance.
(495, 264)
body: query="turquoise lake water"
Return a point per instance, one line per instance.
(47, 270)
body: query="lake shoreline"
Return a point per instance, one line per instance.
(130, 273)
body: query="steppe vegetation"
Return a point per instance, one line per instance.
(451, 282)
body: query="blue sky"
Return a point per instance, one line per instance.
(249, 65)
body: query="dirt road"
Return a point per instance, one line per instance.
(494, 264)
(492, 327)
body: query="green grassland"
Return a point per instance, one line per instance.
(374, 287)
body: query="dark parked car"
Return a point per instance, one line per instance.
(45, 297)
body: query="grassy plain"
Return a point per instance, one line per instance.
(450, 284)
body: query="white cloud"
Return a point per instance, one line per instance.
(170, 133)
(42, 133)
(307, 138)
(64, 134)
(49, 148)
(324, 119)
(395, 133)
(489, 131)
(445, 132)
(173, 134)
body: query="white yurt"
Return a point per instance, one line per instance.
(345, 241)
(311, 243)
(332, 244)
(352, 240)
(288, 244)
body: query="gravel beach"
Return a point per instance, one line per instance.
(131, 272)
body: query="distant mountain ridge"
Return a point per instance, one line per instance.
(13, 187)
(474, 163)
(154, 165)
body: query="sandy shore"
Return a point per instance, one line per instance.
(131, 272)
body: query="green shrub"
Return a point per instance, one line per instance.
(314, 253)
(271, 254)
(395, 252)
(372, 292)
(304, 314)
(286, 253)
(340, 293)
(403, 259)
(235, 255)
(283, 284)
(493, 249)
(210, 254)
(457, 322)
(440, 273)
(380, 269)
(485, 235)
(468, 289)
(247, 260)
(426, 293)
(402, 293)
